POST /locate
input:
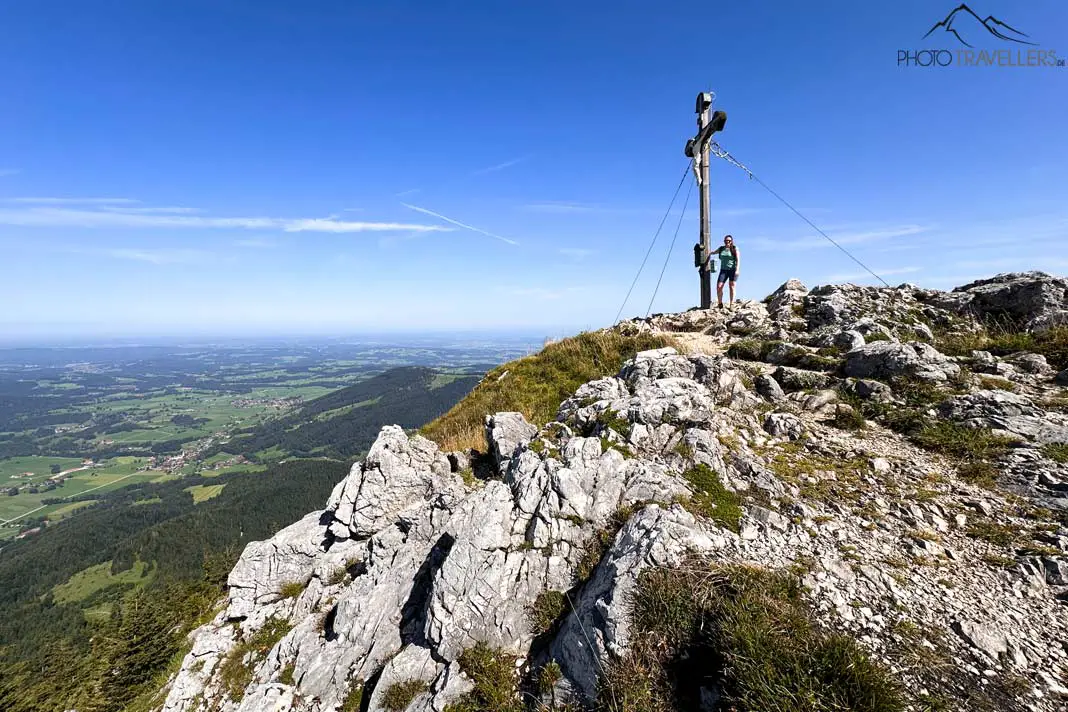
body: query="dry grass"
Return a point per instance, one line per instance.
(235, 672)
(1003, 339)
(536, 385)
(400, 694)
(743, 631)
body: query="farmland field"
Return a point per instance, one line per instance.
(78, 423)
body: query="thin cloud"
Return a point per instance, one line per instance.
(8, 172)
(545, 293)
(162, 256)
(500, 166)
(175, 210)
(74, 201)
(563, 206)
(406, 193)
(842, 238)
(576, 253)
(255, 243)
(866, 276)
(459, 224)
(46, 216)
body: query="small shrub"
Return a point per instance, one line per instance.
(711, 499)
(597, 545)
(546, 610)
(745, 632)
(399, 695)
(1001, 562)
(996, 383)
(611, 419)
(992, 532)
(354, 698)
(979, 473)
(1058, 452)
(291, 589)
(286, 676)
(496, 688)
(684, 450)
(234, 672)
(746, 350)
(959, 441)
(548, 676)
(849, 419)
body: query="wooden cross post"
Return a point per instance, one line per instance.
(697, 148)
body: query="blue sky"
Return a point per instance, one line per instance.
(279, 167)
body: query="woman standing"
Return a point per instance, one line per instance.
(729, 265)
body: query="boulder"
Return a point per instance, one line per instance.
(1031, 363)
(265, 566)
(798, 379)
(1034, 301)
(783, 425)
(871, 390)
(1010, 412)
(848, 340)
(398, 473)
(1061, 378)
(506, 433)
(886, 360)
(785, 301)
(769, 388)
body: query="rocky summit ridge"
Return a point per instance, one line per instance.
(858, 439)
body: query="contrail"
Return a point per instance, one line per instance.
(439, 216)
(500, 166)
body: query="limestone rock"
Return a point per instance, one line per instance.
(885, 360)
(783, 425)
(1036, 301)
(849, 340)
(769, 388)
(1001, 410)
(506, 433)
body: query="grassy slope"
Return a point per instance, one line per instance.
(536, 385)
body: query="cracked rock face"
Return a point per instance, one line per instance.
(407, 567)
(1034, 300)
(885, 360)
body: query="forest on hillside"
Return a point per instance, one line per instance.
(163, 559)
(343, 423)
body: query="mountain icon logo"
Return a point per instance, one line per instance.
(962, 22)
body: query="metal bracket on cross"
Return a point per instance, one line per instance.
(719, 152)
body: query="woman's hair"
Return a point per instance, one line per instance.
(734, 248)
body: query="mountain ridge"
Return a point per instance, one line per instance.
(881, 471)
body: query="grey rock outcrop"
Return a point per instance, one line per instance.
(407, 567)
(1035, 301)
(1001, 410)
(783, 425)
(887, 360)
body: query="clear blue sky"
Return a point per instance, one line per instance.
(276, 167)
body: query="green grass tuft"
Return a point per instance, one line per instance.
(1058, 452)
(286, 676)
(536, 385)
(235, 672)
(291, 589)
(547, 610)
(711, 499)
(353, 698)
(494, 676)
(962, 442)
(992, 532)
(747, 633)
(399, 695)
